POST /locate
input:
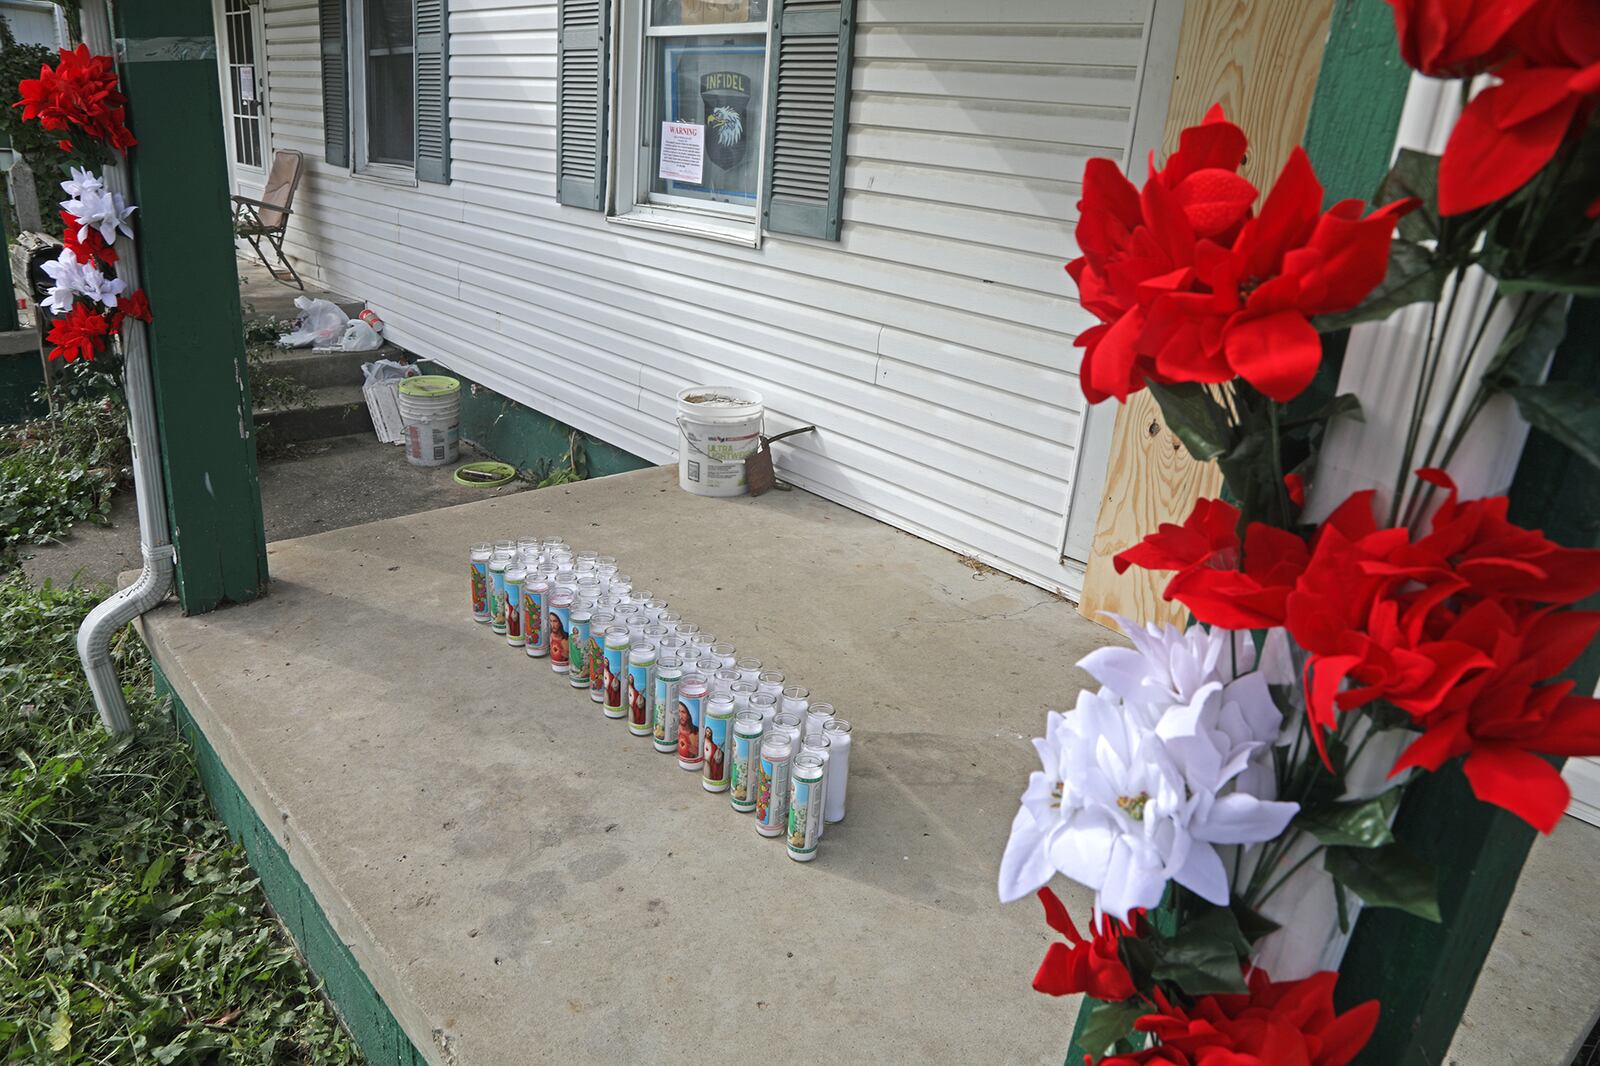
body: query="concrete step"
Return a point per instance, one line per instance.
(318, 369)
(335, 411)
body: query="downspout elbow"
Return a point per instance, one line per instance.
(103, 623)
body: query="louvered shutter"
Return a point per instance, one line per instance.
(335, 83)
(581, 71)
(808, 76)
(433, 90)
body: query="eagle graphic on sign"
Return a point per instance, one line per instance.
(726, 95)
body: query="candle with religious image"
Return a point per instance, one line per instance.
(498, 565)
(599, 622)
(748, 729)
(714, 736)
(837, 730)
(478, 573)
(772, 785)
(616, 665)
(578, 642)
(691, 713)
(560, 616)
(669, 675)
(641, 688)
(514, 606)
(535, 596)
(805, 807)
(818, 745)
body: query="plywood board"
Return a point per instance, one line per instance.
(1260, 61)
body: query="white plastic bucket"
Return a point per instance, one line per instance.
(719, 427)
(430, 409)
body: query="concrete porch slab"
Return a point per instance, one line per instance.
(523, 881)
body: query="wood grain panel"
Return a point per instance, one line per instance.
(1260, 61)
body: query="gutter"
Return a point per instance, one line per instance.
(155, 580)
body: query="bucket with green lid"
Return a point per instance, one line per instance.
(430, 408)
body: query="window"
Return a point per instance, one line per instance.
(703, 104)
(731, 117)
(244, 83)
(385, 87)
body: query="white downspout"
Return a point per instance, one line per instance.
(155, 541)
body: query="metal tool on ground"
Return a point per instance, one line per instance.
(758, 472)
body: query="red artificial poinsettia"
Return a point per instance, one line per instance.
(1207, 554)
(1189, 287)
(1546, 55)
(91, 247)
(134, 305)
(1093, 965)
(81, 333)
(1458, 628)
(81, 90)
(1289, 1023)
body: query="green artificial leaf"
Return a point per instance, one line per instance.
(1568, 412)
(1414, 276)
(1109, 1023)
(1388, 876)
(1525, 352)
(1202, 958)
(1343, 905)
(1576, 283)
(1344, 405)
(1414, 174)
(1194, 417)
(1355, 824)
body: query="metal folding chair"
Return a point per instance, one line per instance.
(267, 219)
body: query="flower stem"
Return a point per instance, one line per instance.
(1279, 883)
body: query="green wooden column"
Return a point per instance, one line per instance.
(1424, 972)
(180, 182)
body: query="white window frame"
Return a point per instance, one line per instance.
(635, 203)
(356, 66)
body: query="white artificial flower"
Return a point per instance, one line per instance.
(1147, 776)
(67, 273)
(99, 209)
(82, 181)
(73, 279)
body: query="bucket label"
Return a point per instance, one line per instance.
(579, 674)
(560, 649)
(665, 718)
(641, 686)
(714, 750)
(804, 813)
(614, 672)
(479, 576)
(689, 713)
(533, 609)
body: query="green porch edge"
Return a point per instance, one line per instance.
(360, 1008)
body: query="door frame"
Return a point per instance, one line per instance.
(237, 171)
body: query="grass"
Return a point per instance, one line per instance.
(131, 927)
(60, 470)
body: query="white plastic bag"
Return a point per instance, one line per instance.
(321, 324)
(382, 371)
(359, 337)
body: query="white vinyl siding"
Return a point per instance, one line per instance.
(931, 344)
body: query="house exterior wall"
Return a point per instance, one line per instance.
(931, 345)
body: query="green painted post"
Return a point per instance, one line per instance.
(180, 182)
(1423, 973)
